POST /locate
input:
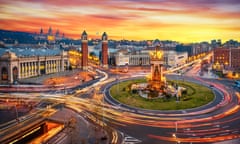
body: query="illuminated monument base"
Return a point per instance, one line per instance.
(156, 81)
(156, 86)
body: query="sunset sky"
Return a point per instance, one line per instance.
(180, 20)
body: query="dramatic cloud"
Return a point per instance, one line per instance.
(185, 21)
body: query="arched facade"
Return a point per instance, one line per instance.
(14, 68)
(15, 74)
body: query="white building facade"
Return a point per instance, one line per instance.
(29, 63)
(171, 58)
(175, 59)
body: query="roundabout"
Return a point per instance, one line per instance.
(194, 96)
(215, 121)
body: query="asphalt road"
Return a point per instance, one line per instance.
(216, 121)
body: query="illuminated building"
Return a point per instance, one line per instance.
(74, 58)
(84, 47)
(16, 64)
(235, 59)
(221, 58)
(49, 36)
(227, 60)
(105, 50)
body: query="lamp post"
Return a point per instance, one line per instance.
(176, 126)
(102, 94)
(176, 138)
(16, 111)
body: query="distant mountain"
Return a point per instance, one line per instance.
(15, 36)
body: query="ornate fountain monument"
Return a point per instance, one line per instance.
(156, 86)
(157, 81)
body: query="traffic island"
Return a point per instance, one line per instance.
(195, 96)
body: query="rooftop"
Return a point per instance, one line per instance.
(26, 52)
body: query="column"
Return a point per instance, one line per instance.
(62, 64)
(26, 73)
(30, 68)
(50, 66)
(21, 70)
(39, 70)
(46, 67)
(35, 68)
(10, 73)
(24, 69)
(55, 66)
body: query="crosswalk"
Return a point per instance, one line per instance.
(130, 140)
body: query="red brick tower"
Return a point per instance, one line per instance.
(84, 50)
(105, 50)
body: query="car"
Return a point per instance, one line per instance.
(237, 83)
(211, 85)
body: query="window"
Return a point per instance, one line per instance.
(4, 73)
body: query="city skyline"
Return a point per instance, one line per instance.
(191, 21)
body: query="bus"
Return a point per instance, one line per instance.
(237, 83)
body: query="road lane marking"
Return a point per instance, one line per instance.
(235, 131)
(224, 134)
(225, 127)
(130, 140)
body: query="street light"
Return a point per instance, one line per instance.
(175, 136)
(102, 94)
(176, 126)
(16, 111)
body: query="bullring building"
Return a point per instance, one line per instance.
(19, 63)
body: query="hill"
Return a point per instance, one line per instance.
(15, 36)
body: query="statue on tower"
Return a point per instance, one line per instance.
(84, 35)
(104, 36)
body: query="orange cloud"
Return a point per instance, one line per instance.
(183, 21)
